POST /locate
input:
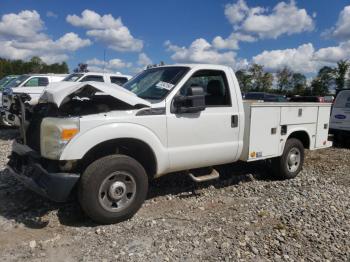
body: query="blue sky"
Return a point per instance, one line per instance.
(303, 35)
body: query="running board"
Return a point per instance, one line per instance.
(198, 179)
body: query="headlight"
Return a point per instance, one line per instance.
(55, 135)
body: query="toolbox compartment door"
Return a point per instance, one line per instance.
(264, 132)
(298, 115)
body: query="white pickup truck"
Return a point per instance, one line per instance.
(187, 118)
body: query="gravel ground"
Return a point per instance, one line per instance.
(246, 215)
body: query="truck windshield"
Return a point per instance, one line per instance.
(16, 81)
(72, 77)
(155, 83)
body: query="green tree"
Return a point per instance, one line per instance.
(340, 73)
(257, 74)
(244, 80)
(35, 65)
(284, 80)
(299, 84)
(266, 82)
(324, 80)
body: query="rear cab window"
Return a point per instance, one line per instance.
(118, 80)
(73, 77)
(94, 78)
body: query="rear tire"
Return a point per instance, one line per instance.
(112, 189)
(290, 163)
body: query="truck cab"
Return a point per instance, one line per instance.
(184, 117)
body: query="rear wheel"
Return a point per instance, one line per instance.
(291, 162)
(113, 188)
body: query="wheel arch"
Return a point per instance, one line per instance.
(104, 136)
(132, 147)
(303, 136)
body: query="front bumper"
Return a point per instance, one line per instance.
(25, 166)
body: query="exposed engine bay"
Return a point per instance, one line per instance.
(70, 101)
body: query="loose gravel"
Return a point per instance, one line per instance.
(246, 215)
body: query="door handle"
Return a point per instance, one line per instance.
(234, 121)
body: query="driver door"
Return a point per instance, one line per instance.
(208, 137)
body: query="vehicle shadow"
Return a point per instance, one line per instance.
(33, 211)
(8, 133)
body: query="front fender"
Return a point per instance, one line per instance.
(83, 142)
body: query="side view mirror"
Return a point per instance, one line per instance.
(192, 103)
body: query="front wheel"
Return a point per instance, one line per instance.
(291, 162)
(112, 189)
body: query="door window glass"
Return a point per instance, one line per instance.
(37, 81)
(215, 85)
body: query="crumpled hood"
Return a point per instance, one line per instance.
(57, 92)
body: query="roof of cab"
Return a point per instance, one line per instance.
(198, 66)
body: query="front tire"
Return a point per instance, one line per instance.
(112, 189)
(291, 162)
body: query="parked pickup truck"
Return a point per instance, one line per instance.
(30, 84)
(32, 88)
(187, 118)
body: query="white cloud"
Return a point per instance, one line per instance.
(107, 29)
(113, 65)
(51, 14)
(25, 24)
(22, 37)
(200, 51)
(285, 18)
(232, 41)
(236, 12)
(299, 59)
(334, 53)
(341, 30)
(253, 23)
(144, 60)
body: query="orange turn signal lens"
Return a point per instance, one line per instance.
(68, 134)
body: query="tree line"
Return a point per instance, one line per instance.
(253, 79)
(34, 66)
(286, 81)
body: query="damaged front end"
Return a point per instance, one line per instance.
(48, 127)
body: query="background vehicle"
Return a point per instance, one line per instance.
(340, 118)
(166, 119)
(6, 80)
(267, 97)
(329, 99)
(11, 109)
(31, 84)
(118, 79)
(313, 99)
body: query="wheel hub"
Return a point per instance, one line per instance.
(293, 160)
(117, 190)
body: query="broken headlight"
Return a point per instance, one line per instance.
(55, 135)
